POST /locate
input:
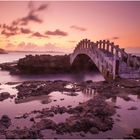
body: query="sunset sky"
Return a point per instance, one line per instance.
(60, 25)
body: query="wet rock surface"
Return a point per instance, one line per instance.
(23, 134)
(44, 64)
(132, 108)
(37, 88)
(11, 67)
(92, 116)
(136, 133)
(121, 88)
(39, 64)
(5, 122)
(4, 96)
(47, 64)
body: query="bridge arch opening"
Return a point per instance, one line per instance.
(83, 63)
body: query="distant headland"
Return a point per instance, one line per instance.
(2, 51)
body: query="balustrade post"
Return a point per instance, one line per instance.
(82, 44)
(92, 45)
(117, 51)
(100, 44)
(112, 47)
(88, 44)
(104, 44)
(85, 43)
(97, 44)
(108, 45)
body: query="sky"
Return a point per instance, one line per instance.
(60, 25)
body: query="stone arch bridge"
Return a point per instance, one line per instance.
(111, 60)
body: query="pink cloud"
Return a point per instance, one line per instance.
(57, 32)
(77, 28)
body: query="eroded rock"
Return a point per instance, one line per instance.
(136, 133)
(23, 134)
(133, 108)
(4, 95)
(5, 121)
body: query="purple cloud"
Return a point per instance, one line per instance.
(115, 38)
(25, 31)
(42, 7)
(16, 27)
(77, 28)
(57, 32)
(31, 16)
(37, 34)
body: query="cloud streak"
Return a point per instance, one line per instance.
(78, 28)
(57, 32)
(32, 47)
(25, 31)
(18, 26)
(32, 15)
(37, 34)
(115, 38)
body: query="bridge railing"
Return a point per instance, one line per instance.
(90, 48)
(105, 54)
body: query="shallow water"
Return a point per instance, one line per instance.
(124, 120)
(6, 77)
(10, 108)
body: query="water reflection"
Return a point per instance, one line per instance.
(89, 92)
(6, 77)
(129, 119)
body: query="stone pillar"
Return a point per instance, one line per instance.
(104, 44)
(92, 44)
(108, 45)
(117, 50)
(88, 44)
(117, 53)
(112, 48)
(97, 44)
(83, 46)
(100, 44)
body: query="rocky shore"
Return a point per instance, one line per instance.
(46, 64)
(39, 64)
(92, 116)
